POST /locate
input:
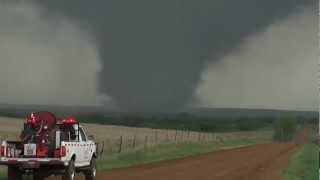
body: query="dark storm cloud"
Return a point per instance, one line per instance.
(153, 52)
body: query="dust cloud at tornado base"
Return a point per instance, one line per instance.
(275, 70)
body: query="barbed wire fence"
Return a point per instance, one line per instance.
(125, 143)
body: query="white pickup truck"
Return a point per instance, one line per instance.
(50, 147)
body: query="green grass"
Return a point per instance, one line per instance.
(166, 152)
(2, 175)
(304, 165)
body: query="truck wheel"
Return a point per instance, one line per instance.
(91, 173)
(14, 173)
(70, 172)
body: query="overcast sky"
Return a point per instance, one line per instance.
(50, 58)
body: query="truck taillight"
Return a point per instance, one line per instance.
(63, 151)
(60, 152)
(2, 151)
(41, 152)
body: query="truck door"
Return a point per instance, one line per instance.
(85, 153)
(75, 139)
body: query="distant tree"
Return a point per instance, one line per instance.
(247, 124)
(285, 130)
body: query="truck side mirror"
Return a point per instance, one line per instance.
(91, 137)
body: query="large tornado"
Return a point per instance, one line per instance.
(153, 52)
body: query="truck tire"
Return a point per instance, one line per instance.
(14, 173)
(91, 173)
(70, 172)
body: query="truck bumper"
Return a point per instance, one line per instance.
(32, 163)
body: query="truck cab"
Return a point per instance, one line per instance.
(78, 145)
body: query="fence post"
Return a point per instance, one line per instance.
(146, 143)
(175, 136)
(206, 137)
(134, 141)
(182, 135)
(156, 136)
(120, 144)
(102, 149)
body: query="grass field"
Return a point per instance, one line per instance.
(304, 165)
(166, 152)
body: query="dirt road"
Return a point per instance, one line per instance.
(258, 162)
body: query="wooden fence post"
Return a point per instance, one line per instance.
(102, 149)
(156, 136)
(134, 141)
(120, 144)
(146, 143)
(175, 136)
